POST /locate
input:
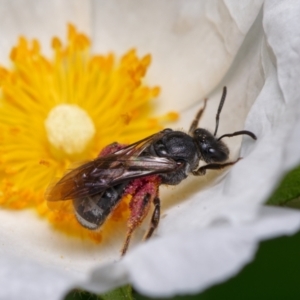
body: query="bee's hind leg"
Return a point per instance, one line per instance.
(155, 218)
(140, 205)
(127, 240)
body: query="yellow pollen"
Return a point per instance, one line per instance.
(60, 110)
(69, 128)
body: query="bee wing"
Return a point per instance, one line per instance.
(106, 171)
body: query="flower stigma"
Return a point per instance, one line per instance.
(65, 109)
(69, 128)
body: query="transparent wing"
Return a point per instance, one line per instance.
(107, 171)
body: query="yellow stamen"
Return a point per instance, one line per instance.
(56, 111)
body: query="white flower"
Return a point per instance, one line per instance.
(211, 226)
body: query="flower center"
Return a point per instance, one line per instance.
(63, 109)
(69, 128)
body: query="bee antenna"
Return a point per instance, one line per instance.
(246, 132)
(220, 109)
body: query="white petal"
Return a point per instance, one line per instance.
(51, 260)
(273, 118)
(194, 260)
(40, 19)
(23, 278)
(226, 216)
(235, 201)
(192, 43)
(283, 37)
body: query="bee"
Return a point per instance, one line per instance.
(167, 157)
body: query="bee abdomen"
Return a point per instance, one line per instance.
(92, 211)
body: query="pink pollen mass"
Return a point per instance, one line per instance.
(144, 191)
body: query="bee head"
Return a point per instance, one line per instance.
(211, 149)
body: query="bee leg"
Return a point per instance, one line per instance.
(139, 206)
(202, 170)
(195, 122)
(155, 218)
(127, 240)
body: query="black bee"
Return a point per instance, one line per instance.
(167, 157)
